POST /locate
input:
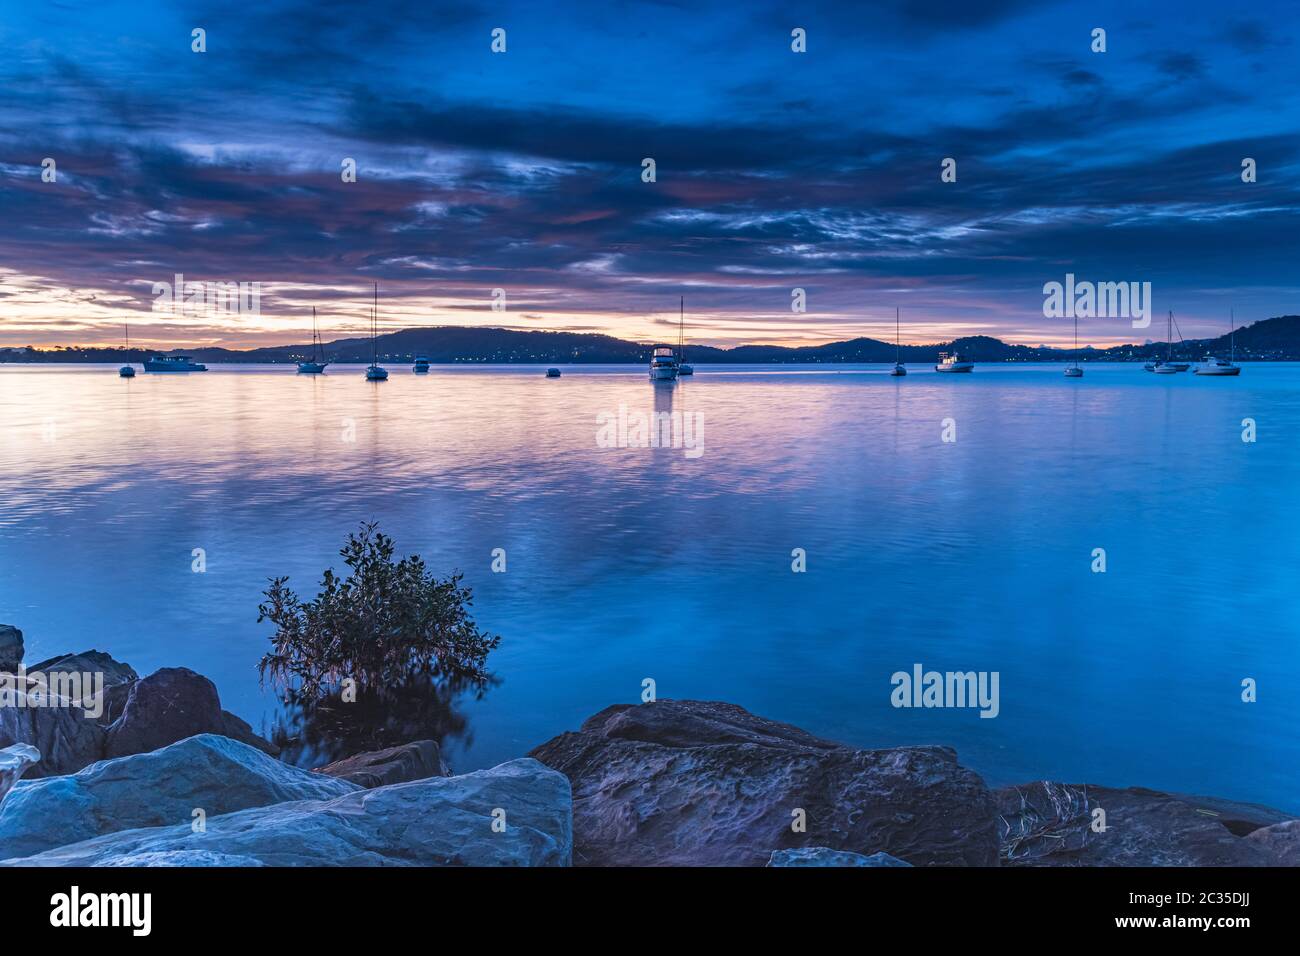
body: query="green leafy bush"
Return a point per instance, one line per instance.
(387, 623)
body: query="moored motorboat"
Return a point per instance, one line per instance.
(421, 365)
(552, 373)
(663, 365)
(1218, 366)
(172, 363)
(953, 362)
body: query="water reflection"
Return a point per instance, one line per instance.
(633, 562)
(311, 732)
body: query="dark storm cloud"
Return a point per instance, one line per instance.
(774, 170)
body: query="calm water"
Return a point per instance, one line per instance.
(633, 563)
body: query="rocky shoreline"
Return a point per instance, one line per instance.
(162, 776)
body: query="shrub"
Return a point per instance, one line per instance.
(386, 624)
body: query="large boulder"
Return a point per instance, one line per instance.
(11, 647)
(98, 673)
(66, 736)
(1281, 841)
(168, 705)
(13, 762)
(382, 768)
(440, 821)
(708, 783)
(1052, 824)
(238, 729)
(821, 856)
(210, 773)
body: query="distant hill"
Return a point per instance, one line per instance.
(1276, 339)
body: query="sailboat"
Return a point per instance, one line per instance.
(1168, 366)
(682, 367)
(898, 368)
(317, 363)
(128, 370)
(1217, 366)
(375, 373)
(1073, 371)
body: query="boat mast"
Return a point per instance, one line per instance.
(681, 332)
(898, 349)
(1169, 334)
(1076, 339)
(1232, 335)
(374, 328)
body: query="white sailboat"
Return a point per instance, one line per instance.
(1168, 366)
(1073, 371)
(317, 363)
(682, 367)
(898, 368)
(128, 370)
(375, 373)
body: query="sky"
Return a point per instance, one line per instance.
(523, 170)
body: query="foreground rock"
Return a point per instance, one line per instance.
(1240, 818)
(694, 783)
(65, 736)
(441, 821)
(1050, 824)
(131, 715)
(1281, 841)
(117, 679)
(382, 768)
(210, 773)
(13, 762)
(11, 647)
(821, 856)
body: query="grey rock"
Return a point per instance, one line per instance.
(168, 705)
(821, 856)
(381, 768)
(66, 737)
(1281, 841)
(440, 821)
(708, 783)
(1240, 818)
(239, 729)
(210, 773)
(1050, 824)
(114, 672)
(116, 678)
(11, 647)
(13, 762)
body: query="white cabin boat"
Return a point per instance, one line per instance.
(953, 362)
(663, 365)
(173, 363)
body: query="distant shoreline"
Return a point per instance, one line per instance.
(1276, 339)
